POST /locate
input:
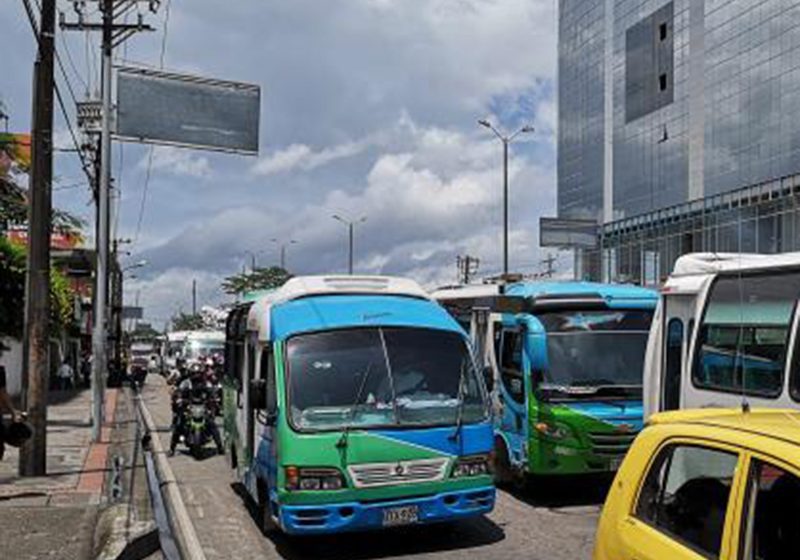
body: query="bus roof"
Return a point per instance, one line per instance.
(575, 289)
(367, 289)
(712, 263)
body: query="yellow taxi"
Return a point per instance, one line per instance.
(711, 483)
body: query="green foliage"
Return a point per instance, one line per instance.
(12, 292)
(14, 208)
(187, 322)
(12, 288)
(259, 279)
(61, 299)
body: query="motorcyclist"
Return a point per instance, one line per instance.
(191, 385)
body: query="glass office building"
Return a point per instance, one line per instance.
(679, 129)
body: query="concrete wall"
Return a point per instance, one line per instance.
(12, 360)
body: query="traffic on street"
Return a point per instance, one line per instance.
(367, 279)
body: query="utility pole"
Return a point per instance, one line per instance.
(467, 267)
(194, 296)
(112, 35)
(549, 262)
(33, 456)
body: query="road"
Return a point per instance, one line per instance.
(556, 525)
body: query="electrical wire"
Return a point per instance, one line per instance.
(149, 169)
(72, 65)
(59, 97)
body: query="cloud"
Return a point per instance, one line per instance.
(303, 158)
(368, 108)
(177, 161)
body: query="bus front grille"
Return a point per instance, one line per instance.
(611, 444)
(370, 475)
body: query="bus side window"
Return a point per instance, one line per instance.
(511, 365)
(268, 374)
(251, 362)
(673, 358)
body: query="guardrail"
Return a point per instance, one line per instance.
(176, 532)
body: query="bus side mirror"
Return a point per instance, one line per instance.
(258, 394)
(488, 378)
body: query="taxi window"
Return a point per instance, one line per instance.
(771, 526)
(685, 495)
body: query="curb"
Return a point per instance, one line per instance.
(185, 535)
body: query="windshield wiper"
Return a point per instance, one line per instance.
(460, 410)
(343, 440)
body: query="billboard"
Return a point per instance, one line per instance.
(180, 110)
(566, 233)
(132, 312)
(60, 239)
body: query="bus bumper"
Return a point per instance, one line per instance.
(356, 516)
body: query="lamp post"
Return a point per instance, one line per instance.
(350, 226)
(283, 245)
(506, 140)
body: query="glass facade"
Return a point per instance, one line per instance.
(580, 99)
(704, 107)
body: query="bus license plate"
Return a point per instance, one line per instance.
(404, 515)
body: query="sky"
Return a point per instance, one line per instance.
(369, 108)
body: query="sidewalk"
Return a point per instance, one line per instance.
(56, 515)
(75, 468)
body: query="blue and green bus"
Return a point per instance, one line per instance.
(353, 402)
(566, 361)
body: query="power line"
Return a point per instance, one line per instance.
(149, 170)
(73, 66)
(59, 97)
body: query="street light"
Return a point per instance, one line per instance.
(252, 258)
(350, 225)
(137, 264)
(506, 140)
(283, 245)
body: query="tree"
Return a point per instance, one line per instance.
(12, 288)
(12, 292)
(259, 279)
(187, 322)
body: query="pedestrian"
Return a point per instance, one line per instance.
(5, 404)
(66, 376)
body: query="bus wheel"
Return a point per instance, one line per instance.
(234, 461)
(265, 522)
(503, 472)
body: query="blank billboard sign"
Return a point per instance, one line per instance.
(565, 233)
(180, 110)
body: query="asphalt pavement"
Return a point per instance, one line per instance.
(554, 520)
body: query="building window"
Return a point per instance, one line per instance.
(662, 32)
(662, 82)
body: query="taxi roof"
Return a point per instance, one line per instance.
(775, 423)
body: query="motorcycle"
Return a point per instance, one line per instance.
(194, 421)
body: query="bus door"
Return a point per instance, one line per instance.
(244, 412)
(678, 329)
(513, 414)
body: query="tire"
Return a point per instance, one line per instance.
(503, 473)
(265, 521)
(196, 451)
(233, 461)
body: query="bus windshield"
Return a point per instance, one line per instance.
(198, 349)
(592, 350)
(382, 377)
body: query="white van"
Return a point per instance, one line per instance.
(724, 332)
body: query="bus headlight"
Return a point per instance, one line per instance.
(320, 478)
(551, 430)
(473, 465)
